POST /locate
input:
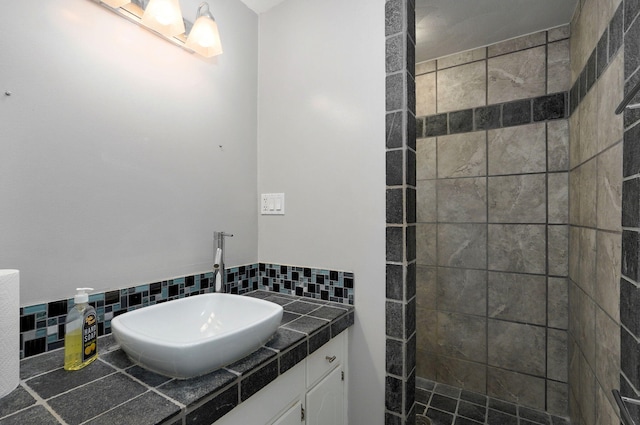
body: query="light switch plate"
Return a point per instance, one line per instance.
(272, 204)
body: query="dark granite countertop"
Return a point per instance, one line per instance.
(113, 390)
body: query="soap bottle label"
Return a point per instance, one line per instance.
(89, 337)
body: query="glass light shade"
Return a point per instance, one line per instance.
(116, 3)
(204, 37)
(164, 16)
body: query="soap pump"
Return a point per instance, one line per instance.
(81, 333)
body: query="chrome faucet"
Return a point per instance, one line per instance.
(218, 260)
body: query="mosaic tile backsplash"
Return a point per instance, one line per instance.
(42, 325)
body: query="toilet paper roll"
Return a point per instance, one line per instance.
(9, 331)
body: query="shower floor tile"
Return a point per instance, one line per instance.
(442, 404)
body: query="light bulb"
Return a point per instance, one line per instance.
(204, 37)
(164, 16)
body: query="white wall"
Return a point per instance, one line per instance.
(321, 127)
(111, 173)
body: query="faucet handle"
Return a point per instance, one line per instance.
(218, 235)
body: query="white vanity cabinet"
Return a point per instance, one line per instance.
(326, 401)
(326, 379)
(311, 393)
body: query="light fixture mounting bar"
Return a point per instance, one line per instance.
(133, 13)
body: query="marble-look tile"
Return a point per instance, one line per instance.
(462, 58)
(426, 201)
(517, 199)
(426, 288)
(516, 346)
(587, 327)
(557, 355)
(558, 145)
(587, 194)
(462, 87)
(426, 244)
(520, 149)
(426, 330)
(520, 43)
(462, 200)
(462, 336)
(462, 155)
(558, 303)
(558, 250)
(461, 373)
(609, 208)
(605, 409)
(588, 127)
(462, 245)
(587, 260)
(610, 85)
(516, 387)
(426, 363)
(558, 67)
(574, 253)
(517, 248)
(588, 385)
(517, 297)
(559, 33)
(574, 366)
(426, 94)
(424, 67)
(574, 196)
(557, 398)
(519, 75)
(608, 249)
(426, 158)
(607, 338)
(558, 198)
(462, 291)
(574, 139)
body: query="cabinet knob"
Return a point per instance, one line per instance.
(330, 359)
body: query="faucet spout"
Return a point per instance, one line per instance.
(218, 261)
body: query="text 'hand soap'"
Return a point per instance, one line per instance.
(81, 333)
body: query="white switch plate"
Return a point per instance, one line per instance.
(272, 204)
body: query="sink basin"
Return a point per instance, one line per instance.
(193, 336)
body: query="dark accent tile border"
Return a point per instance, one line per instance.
(609, 43)
(401, 205)
(544, 108)
(207, 398)
(42, 325)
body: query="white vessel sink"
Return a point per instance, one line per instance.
(196, 335)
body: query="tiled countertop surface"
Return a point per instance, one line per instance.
(113, 390)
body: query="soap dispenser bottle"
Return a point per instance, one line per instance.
(81, 333)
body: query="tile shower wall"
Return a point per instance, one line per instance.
(492, 220)
(401, 213)
(595, 242)
(42, 325)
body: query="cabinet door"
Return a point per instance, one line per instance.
(325, 401)
(292, 416)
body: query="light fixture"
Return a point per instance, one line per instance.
(116, 3)
(204, 37)
(164, 18)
